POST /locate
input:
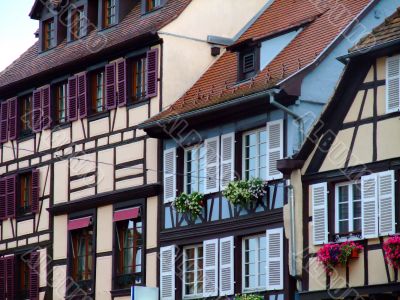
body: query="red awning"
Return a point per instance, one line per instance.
(79, 223)
(126, 214)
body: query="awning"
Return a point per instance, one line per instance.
(126, 214)
(79, 223)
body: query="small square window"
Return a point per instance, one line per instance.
(248, 64)
(49, 40)
(152, 4)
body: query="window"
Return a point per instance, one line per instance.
(248, 64)
(152, 4)
(25, 197)
(348, 207)
(138, 90)
(109, 13)
(255, 154)
(48, 34)
(193, 271)
(98, 96)
(195, 169)
(129, 253)
(78, 23)
(26, 115)
(23, 278)
(61, 103)
(254, 263)
(82, 257)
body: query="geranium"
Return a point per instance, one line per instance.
(391, 247)
(192, 203)
(346, 251)
(242, 192)
(328, 255)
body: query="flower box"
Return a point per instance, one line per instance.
(391, 249)
(243, 192)
(189, 203)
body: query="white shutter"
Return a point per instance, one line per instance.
(369, 211)
(392, 83)
(386, 203)
(212, 165)
(210, 268)
(274, 259)
(274, 148)
(169, 175)
(167, 273)
(319, 196)
(227, 159)
(226, 274)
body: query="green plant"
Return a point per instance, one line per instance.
(248, 297)
(346, 250)
(192, 203)
(242, 192)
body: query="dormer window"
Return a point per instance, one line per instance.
(249, 63)
(48, 34)
(78, 23)
(110, 16)
(149, 5)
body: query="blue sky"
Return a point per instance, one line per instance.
(17, 29)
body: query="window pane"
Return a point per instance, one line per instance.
(343, 194)
(344, 226)
(357, 191)
(343, 211)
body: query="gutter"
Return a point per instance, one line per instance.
(292, 228)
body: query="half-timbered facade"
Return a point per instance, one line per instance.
(346, 176)
(250, 109)
(80, 182)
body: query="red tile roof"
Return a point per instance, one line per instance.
(33, 63)
(324, 23)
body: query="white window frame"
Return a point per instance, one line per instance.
(196, 255)
(247, 133)
(185, 171)
(350, 185)
(259, 288)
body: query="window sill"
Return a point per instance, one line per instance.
(121, 293)
(344, 237)
(98, 116)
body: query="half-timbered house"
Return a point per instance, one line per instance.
(79, 181)
(250, 109)
(346, 176)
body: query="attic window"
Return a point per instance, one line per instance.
(249, 63)
(109, 17)
(78, 23)
(152, 4)
(48, 34)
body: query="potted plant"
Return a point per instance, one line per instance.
(249, 297)
(243, 192)
(189, 203)
(328, 255)
(391, 248)
(349, 250)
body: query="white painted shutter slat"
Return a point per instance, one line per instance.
(167, 273)
(226, 267)
(169, 175)
(369, 211)
(212, 165)
(393, 83)
(227, 159)
(274, 148)
(210, 268)
(319, 196)
(386, 203)
(274, 259)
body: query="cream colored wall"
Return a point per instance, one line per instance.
(151, 269)
(103, 277)
(104, 228)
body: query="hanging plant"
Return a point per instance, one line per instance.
(349, 250)
(391, 248)
(189, 203)
(248, 297)
(242, 192)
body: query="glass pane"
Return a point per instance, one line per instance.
(343, 226)
(357, 225)
(357, 191)
(343, 193)
(343, 211)
(357, 209)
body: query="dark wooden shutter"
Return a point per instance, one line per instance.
(46, 107)
(3, 278)
(34, 276)
(11, 195)
(82, 95)
(3, 200)
(35, 190)
(12, 119)
(4, 122)
(110, 86)
(121, 70)
(72, 99)
(36, 111)
(10, 265)
(152, 73)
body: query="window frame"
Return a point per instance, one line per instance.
(22, 267)
(77, 32)
(149, 6)
(21, 207)
(106, 17)
(57, 110)
(49, 35)
(132, 79)
(256, 131)
(24, 112)
(94, 88)
(244, 75)
(198, 148)
(196, 258)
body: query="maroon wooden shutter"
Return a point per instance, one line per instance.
(110, 86)
(82, 96)
(4, 122)
(3, 200)
(35, 190)
(46, 107)
(12, 119)
(3, 278)
(36, 111)
(152, 73)
(121, 70)
(72, 99)
(11, 183)
(34, 276)
(10, 265)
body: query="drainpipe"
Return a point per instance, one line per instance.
(292, 227)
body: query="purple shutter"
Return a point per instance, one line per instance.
(35, 190)
(82, 96)
(11, 184)
(12, 118)
(3, 278)
(34, 276)
(36, 111)
(110, 86)
(46, 108)
(121, 70)
(72, 99)
(10, 264)
(152, 73)
(3, 200)
(4, 122)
